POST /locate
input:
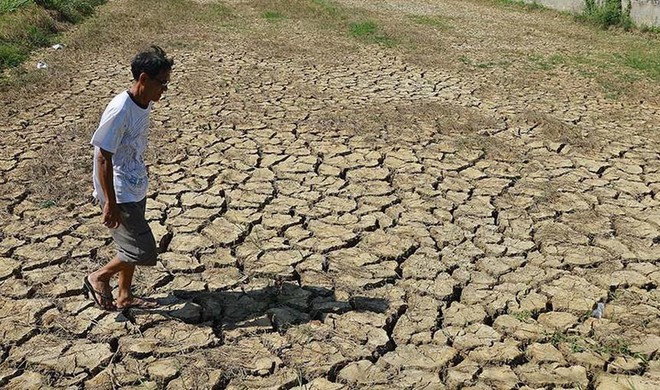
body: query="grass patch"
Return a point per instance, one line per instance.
(546, 63)
(369, 32)
(328, 16)
(646, 61)
(272, 16)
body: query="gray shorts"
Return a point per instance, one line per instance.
(133, 238)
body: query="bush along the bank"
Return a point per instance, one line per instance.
(28, 24)
(607, 13)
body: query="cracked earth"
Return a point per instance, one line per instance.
(369, 221)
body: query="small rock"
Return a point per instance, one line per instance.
(599, 311)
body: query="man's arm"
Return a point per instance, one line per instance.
(111, 217)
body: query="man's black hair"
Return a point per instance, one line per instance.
(151, 61)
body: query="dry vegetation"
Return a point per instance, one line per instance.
(319, 31)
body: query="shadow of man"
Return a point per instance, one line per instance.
(269, 308)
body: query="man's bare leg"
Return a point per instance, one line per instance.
(100, 281)
(124, 286)
(125, 296)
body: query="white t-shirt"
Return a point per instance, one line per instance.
(123, 132)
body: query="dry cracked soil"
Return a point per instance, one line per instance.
(425, 211)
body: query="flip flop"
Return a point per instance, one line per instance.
(88, 291)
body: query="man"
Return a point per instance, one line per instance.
(120, 179)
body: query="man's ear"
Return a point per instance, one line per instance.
(143, 78)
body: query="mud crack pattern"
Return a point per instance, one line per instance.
(364, 224)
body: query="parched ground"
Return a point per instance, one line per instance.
(435, 200)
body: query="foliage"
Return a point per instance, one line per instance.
(606, 13)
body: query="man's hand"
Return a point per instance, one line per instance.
(111, 216)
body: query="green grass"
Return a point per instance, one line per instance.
(272, 16)
(369, 32)
(7, 6)
(11, 55)
(645, 60)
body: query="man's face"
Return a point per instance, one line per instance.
(157, 85)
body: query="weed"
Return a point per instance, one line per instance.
(47, 204)
(614, 346)
(522, 315)
(363, 29)
(575, 343)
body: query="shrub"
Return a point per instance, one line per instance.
(607, 13)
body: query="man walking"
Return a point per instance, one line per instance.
(120, 179)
